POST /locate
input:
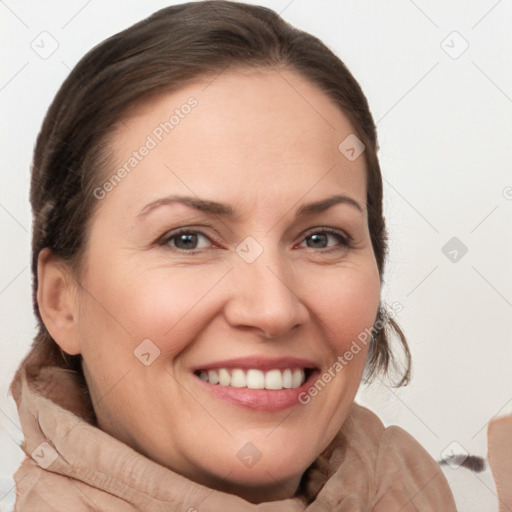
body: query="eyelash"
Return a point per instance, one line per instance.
(344, 240)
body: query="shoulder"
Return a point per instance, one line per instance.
(392, 467)
(364, 430)
(40, 490)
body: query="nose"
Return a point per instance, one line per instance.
(264, 298)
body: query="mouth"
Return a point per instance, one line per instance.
(256, 383)
(254, 378)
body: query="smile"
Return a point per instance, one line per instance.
(258, 383)
(253, 378)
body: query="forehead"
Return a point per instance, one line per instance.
(256, 130)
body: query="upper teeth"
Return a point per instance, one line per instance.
(255, 379)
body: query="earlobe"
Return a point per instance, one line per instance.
(56, 298)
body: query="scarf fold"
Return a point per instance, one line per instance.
(72, 465)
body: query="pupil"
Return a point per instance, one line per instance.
(186, 241)
(318, 240)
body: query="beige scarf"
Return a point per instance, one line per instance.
(73, 466)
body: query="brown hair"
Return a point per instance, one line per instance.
(163, 53)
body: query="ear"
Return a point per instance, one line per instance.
(57, 301)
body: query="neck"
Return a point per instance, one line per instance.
(274, 491)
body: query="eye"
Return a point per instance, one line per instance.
(191, 241)
(187, 241)
(325, 239)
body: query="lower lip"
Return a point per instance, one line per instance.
(260, 399)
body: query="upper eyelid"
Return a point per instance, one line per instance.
(326, 229)
(178, 231)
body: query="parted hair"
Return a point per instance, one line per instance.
(176, 46)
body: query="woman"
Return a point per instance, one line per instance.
(208, 252)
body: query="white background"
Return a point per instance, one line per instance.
(445, 131)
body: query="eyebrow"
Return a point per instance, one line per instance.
(224, 210)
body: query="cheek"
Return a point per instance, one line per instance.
(167, 306)
(346, 304)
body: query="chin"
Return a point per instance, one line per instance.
(262, 467)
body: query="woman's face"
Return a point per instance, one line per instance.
(234, 247)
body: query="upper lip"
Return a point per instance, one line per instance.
(259, 363)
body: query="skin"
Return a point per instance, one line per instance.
(265, 149)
